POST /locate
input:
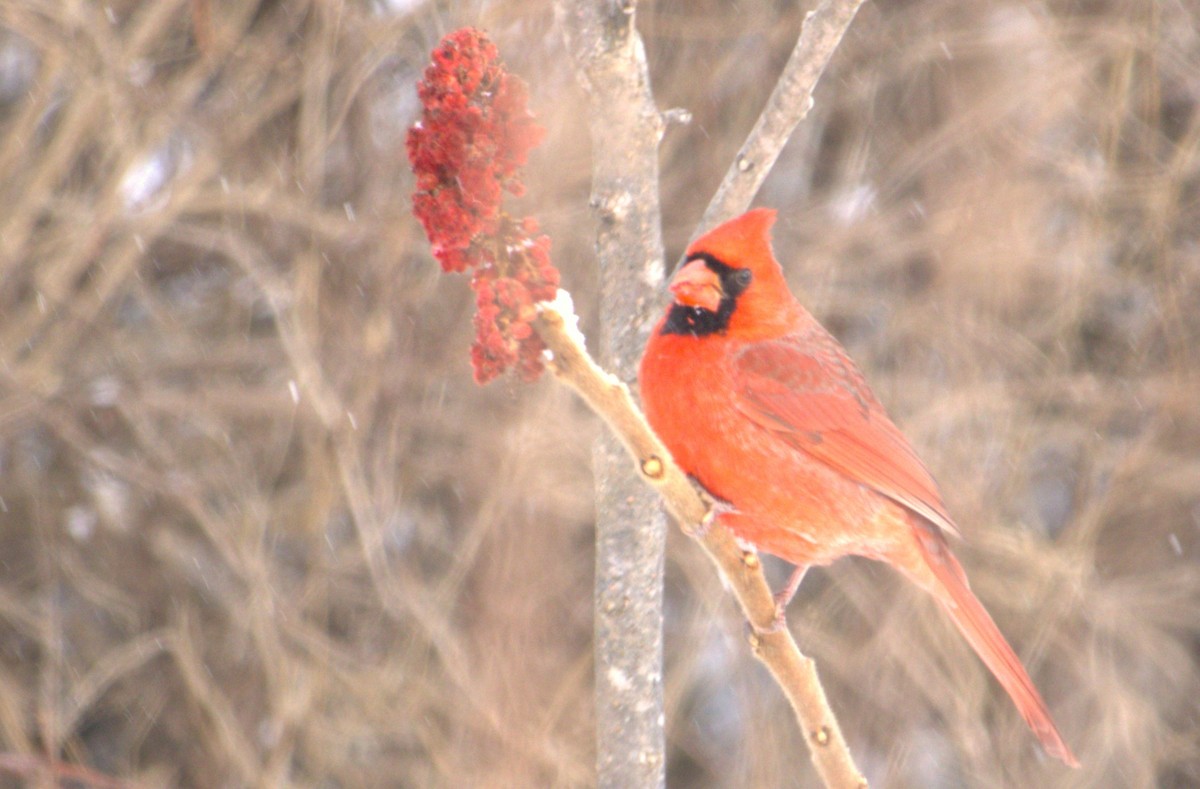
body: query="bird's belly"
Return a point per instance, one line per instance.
(784, 501)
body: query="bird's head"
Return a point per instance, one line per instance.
(731, 284)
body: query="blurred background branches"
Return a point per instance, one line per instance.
(259, 527)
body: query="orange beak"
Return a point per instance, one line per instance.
(696, 285)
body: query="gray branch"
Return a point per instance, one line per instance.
(630, 528)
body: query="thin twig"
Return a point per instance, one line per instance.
(789, 103)
(31, 768)
(795, 673)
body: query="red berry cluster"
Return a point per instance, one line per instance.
(505, 296)
(474, 135)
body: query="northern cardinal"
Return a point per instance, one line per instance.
(763, 407)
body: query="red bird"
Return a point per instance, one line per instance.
(762, 406)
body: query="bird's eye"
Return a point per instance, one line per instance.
(742, 277)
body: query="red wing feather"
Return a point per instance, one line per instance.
(808, 392)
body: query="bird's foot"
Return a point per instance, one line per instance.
(784, 596)
(778, 624)
(715, 511)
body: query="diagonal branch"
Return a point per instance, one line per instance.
(789, 103)
(795, 673)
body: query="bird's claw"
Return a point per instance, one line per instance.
(715, 510)
(784, 596)
(778, 624)
(780, 620)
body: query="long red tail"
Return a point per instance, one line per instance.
(985, 638)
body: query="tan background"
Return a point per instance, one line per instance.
(258, 527)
